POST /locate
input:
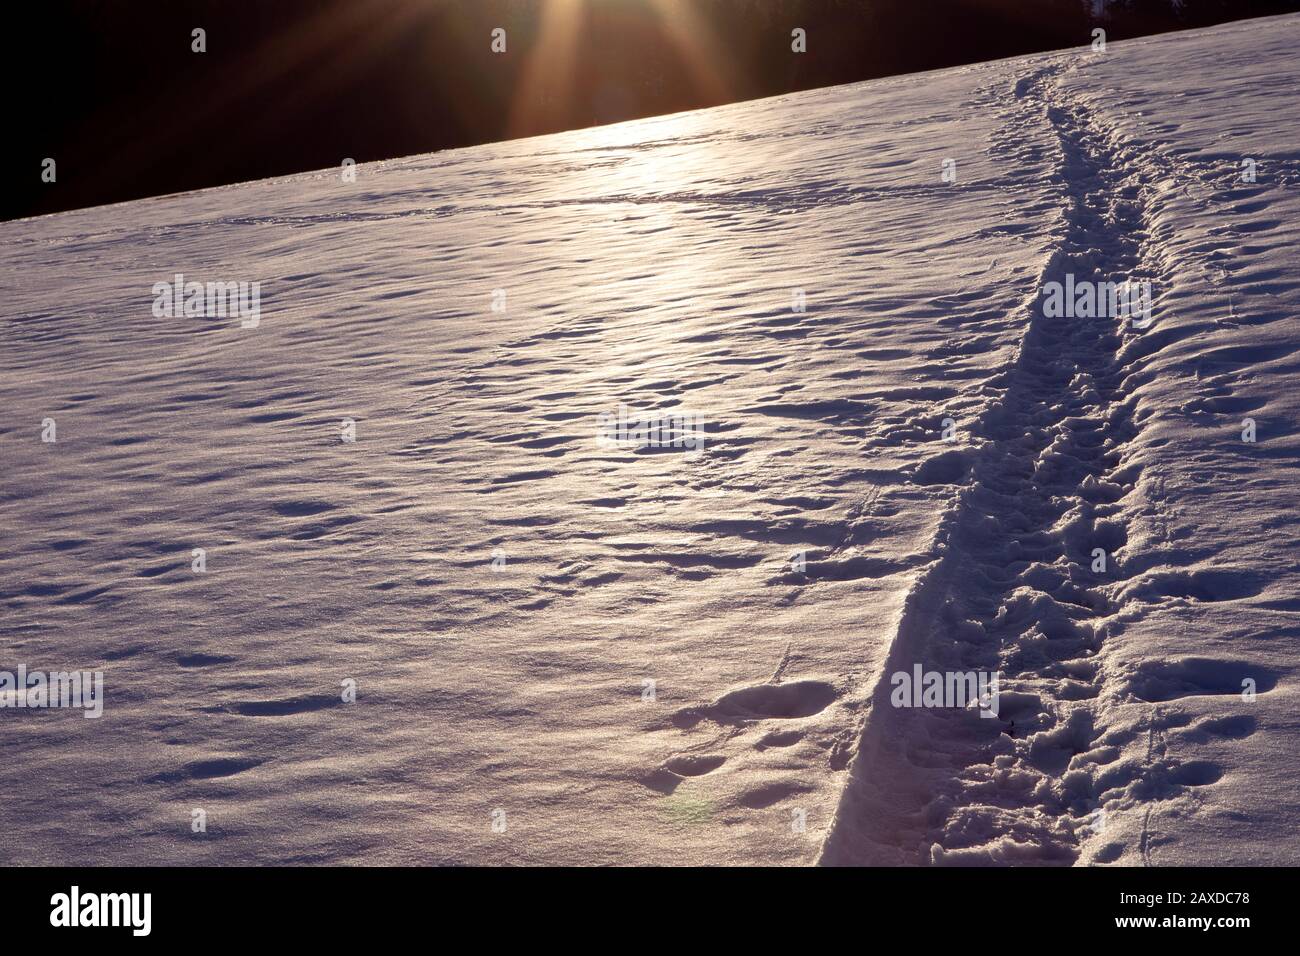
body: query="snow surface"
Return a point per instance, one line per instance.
(654, 264)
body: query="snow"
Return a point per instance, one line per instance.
(567, 650)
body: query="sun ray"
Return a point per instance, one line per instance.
(703, 54)
(548, 72)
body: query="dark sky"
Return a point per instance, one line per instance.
(112, 91)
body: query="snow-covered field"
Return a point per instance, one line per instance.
(571, 651)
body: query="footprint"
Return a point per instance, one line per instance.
(1109, 853)
(1223, 405)
(850, 567)
(675, 770)
(694, 765)
(1234, 728)
(1215, 585)
(779, 738)
(1211, 584)
(1237, 356)
(764, 701)
(770, 794)
(1158, 681)
(1197, 773)
(950, 468)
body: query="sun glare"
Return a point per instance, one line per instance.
(551, 64)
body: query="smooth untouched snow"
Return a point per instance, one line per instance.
(567, 652)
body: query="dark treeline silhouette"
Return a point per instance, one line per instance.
(113, 92)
